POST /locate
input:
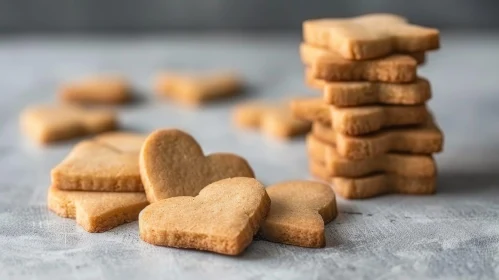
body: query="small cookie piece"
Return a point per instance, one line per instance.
(298, 213)
(173, 164)
(250, 114)
(49, 123)
(401, 164)
(370, 36)
(197, 89)
(348, 94)
(97, 89)
(223, 218)
(275, 120)
(109, 162)
(423, 139)
(330, 66)
(375, 185)
(97, 211)
(358, 120)
(311, 109)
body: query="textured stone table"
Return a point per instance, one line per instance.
(454, 234)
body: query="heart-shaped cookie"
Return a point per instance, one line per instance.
(50, 123)
(108, 162)
(299, 211)
(223, 218)
(97, 211)
(173, 164)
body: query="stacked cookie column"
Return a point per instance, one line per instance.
(372, 131)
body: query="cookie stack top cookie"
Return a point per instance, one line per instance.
(372, 131)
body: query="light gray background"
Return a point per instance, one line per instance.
(452, 235)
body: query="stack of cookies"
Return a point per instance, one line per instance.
(99, 183)
(372, 131)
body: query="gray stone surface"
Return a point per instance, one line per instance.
(454, 234)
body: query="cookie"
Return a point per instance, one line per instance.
(423, 139)
(49, 123)
(370, 36)
(274, 120)
(357, 120)
(298, 213)
(173, 164)
(375, 185)
(394, 163)
(330, 66)
(107, 163)
(223, 218)
(347, 94)
(197, 89)
(96, 211)
(97, 89)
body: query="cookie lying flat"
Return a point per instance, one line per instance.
(424, 139)
(357, 120)
(400, 164)
(50, 123)
(275, 120)
(109, 163)
(346, 94)
(298, 213)
(330, 66)
(98, 89)
(375, 185)
(96, 211)
(370, 36)
(173, 164)
(196, 89)
(223, 218)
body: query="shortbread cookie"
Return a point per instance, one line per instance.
(173, 164)
(401, 164)
(97, 211)
(346, 94)
(357, 120)
(383, 184)
(375, 185)
(298, 213)
(196, 89)
(370, 36)
(330, 66)
(275, 120)
(50, 123)
(223, 218)
(108, 163)
(424, 139)
(98, 89)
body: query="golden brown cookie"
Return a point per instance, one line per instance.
(50, 123)
(107, 163)
(401, 164)
(223, 218)
(330, 66)
(97, 89)
(197, 89)
(357, 120)
(346, 94)
(375, 185)
(96, 211)
(298, 213)
(423, 139)
(173, 164)
(370, 36)
(275, 120)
